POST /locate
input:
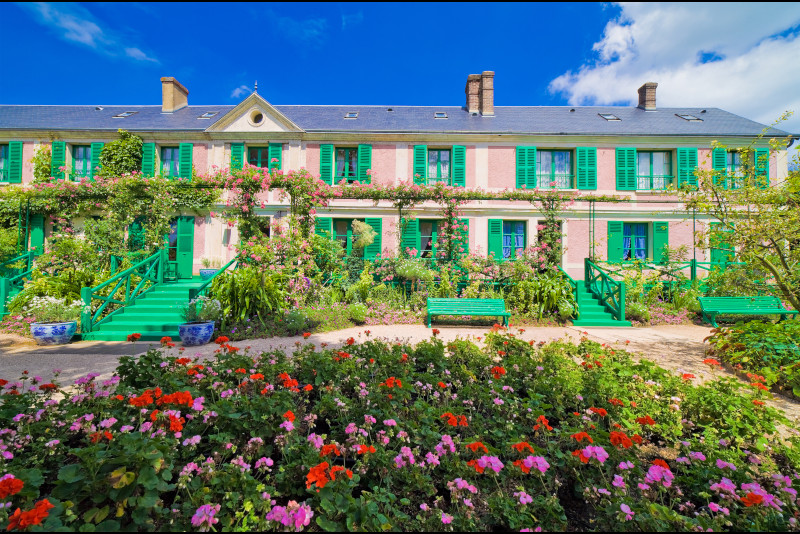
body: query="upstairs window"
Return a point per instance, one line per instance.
(81, 161)
(346, 165)
(653, 170)
(438, 166)
(733, 164)
(258, 156)
(170, 162)
(554, 169)
(4, 164)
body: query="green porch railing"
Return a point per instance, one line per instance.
(198, 291)
(610, 292)
(150, 273)
(15, 271)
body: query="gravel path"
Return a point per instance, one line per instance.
(680, 348)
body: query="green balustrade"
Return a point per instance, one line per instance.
(610, 292)
(15, 272)
(199, 291)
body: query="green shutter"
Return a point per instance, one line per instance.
(587, 168)
(496, 238)
(58, 158)
(615, 240)
(719, 163)
(660, 240)
(526, 167)
(15, 162)
(275, 152)
(626, 169)
(420, 164)
(326, 163)
(185, 247)
(687, 164)
(37, 234)
(459, 166)
(149, 159)
(136, 234)
(411, 237)
(721, 250)
(323, 224)
(185, 161)
(97, 148)
(375, 249)
(237, 156)
(464, 240)
(364, 163)
(761, 165)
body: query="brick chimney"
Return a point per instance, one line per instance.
(486, 96)
(472, 90)
(174, 95)
(647, 96)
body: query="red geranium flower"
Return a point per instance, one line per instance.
(579, 453)
(542, 421)
(134, 337)
(580, 436)
(599, 411)
(477, 445)
(752, 499)
(10, 486)
(521, 446)
(620, 439)
(646, 420)
(221, 340)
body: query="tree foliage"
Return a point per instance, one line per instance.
(122, 156)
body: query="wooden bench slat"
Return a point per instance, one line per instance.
(468, 307)
(713, 306)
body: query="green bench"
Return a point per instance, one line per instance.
(713, 306)
(469, 307)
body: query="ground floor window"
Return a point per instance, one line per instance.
(513, 238)
(634, 241)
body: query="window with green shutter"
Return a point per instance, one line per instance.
(237, 156)
(326, 164)
(526, 167)
(374, 249)
(554, 169)
(687, 165)
(634, 241)
(14, 163)
(170, 159)
(5, 164)
(342, 231)
(761, 163)
(275, 156)
(514, 238)
(258, 156)
(653, 170)
(586, 168)
(660, 242)
(495, 245)
(365, 164)
(439, 166)
(346, 164)
(614, 240)
(428, 236)
(625, 162)
(420, 164)
(149, 159)
(81, 162)
(58, 159)
(186, 153)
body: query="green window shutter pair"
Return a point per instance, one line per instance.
(322, 225)
(587, 167)
(58, 158)
(364, 164)
(614, 239)
(185, 160)
(326, 163)
(459, 166)
(411, 237)
(275, 152)
(526, 167)
(626, 169)
(660, 241)
(496, 238)
(420, 164)
(237, 156)
(15, 162)
(36, 242)
(761, 164)
(374, 249)
(149, 159)
(97, 148)
(687, 165)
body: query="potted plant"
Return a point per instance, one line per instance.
(56, 319)
(210, 267)
(200, 314)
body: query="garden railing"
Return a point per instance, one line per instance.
(15, 273)
(136, 281)
(198, 291)
(610, 292)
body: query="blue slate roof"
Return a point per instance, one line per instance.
(544, 120)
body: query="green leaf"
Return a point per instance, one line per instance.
(71, 473)
(328, 525)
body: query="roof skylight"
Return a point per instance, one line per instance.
(609, 116)
(439, 115)
(351, 115)
(208, 114)
(690, 118)
(124, 114)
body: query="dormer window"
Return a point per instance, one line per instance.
(124, 114)
(208, 114)
(609, 116)
(690, 118)
(351, 115)
(440, 115)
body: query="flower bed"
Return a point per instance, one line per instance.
(379, 436)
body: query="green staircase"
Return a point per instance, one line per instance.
(591, 311)
(154, 315)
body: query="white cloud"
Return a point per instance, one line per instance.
(75, 23)
(241, 90)
(750, 50)
(352, 19)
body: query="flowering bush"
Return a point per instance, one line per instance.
(53, 310)
(202, 309)
(384, 436)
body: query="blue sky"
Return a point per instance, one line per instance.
(743, 60)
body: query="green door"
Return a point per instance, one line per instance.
(180, 243)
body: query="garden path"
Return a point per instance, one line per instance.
(679, 348)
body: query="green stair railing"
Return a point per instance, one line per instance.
(15, 272)
(198, 291)
(610, 292)
(149, 272)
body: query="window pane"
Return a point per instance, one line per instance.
(433, 160)
(643, 163)
(340, 161)
(544, 163)
(426, 238)
(445, 159)
(561, 161)
(659, 163)
(353, 160)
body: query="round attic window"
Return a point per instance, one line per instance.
(256, 117)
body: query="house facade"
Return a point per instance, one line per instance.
(634, 154)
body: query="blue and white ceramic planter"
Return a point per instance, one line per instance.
(205, 274)
(53, 333)
(196, 333)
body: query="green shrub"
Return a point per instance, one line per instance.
(637, 311)
(248, 293)
(53, 310)
(357, 313)
(545, 294)
(122, 156)
(202, 309)
(295, 322)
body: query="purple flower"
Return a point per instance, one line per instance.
(597, 452)
(204, 518)
(447, 519)
(618, 482)
(627, 511)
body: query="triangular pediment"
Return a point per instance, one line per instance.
(254, 114)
